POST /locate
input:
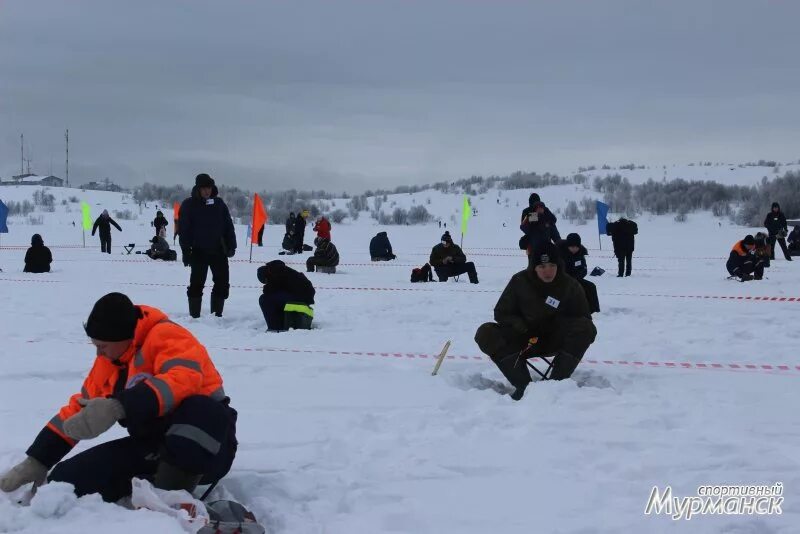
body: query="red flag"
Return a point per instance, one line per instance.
(176, 211)
(259, 218)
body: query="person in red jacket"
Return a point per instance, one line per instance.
(154, 378)
(323, 228)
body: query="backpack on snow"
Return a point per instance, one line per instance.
(230, 517)
(422, 274)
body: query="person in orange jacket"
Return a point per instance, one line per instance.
(323, 228)
(153, 377)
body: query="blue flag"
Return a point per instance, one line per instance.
(602, 217)
(3, 218)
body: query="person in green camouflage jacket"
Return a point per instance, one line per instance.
(542, 312)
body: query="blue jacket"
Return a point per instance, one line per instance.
(207, 224)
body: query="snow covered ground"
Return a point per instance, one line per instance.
(342, 429)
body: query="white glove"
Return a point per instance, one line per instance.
(97, 416)
(28, 470)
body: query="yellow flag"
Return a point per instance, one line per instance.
(466, 213)
(87, 216)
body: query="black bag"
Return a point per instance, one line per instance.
(422, 274)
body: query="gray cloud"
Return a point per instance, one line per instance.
(355, 94)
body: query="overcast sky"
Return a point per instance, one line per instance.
(345, 94)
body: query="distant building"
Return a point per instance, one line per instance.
(105, 185)
(33, 179)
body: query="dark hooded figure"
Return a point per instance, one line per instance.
(794, 241)
(538, 227)
(299, 232)
(622, 233)
(38, 258)
(207, 240)
(159, 223)
(282, 285)
(104, 223)
(775, 221)
(548, 218)
(380, 249)
(543, 312)
(573, 254)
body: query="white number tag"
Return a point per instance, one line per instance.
(552, 302)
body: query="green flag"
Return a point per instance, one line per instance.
(87, 216)
(466, 213)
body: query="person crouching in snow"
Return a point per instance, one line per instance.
(574, 255)
(447, 259)
(542, 312)
(743, 263)
(325, 255)
(380, 249)
(38, 258)
(286, 291)
(154, 378)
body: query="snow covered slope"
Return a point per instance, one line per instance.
(342, 429)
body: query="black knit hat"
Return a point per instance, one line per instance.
(446, 237)
(547, 253)
(749, 240)
(203, 180)
(573, 240)
(776, 205)
(113, 318)
(533, 198)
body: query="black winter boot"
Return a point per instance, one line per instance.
(195, 305)
(516, 372)
(564, 365)
(217, 304)
(169, 477)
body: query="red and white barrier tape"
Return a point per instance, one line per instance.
(632, 364)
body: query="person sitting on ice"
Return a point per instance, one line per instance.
(380, 249)
(325, 256)
(543, 313)
(287, 299)
(154, 378)
(38, 258)
(159, 250)
(742, 261)
(322, 227)
(447, 259)
(538, 227)
(794, 241)
(574, 255)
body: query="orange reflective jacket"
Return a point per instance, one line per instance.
(164, 365)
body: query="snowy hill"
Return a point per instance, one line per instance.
(342, 429)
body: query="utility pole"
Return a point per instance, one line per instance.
(21, 154)
(66, 136)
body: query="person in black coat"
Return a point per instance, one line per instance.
(207, 240)
(282, 285)
(38, 258)
(299, 232)
(794, 241)
(325, 255)
(573, 253)
(380, 249)
(538, 228)
(104, 223)
(159, 223)
(548, 218)
(622, 233)
(775, 221)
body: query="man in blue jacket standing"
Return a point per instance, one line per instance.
(207, 240)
